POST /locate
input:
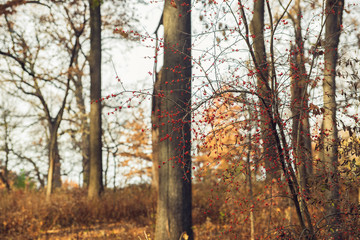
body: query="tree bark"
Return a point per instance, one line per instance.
(155, 121)
(269, 150)
(333, 12)
(301, 139)
(54, 175)
(95, 178)
(84, 129)
(174, 218)
(5, 174)
(85, 150)
(248, 163)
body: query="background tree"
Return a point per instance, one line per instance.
(78, 22)
(27, 75)
(301, 138)
(6, 128)
(95, 178)
(333, 26)
(71, 36)
(128, 143)
(262, 67)
(155, 121)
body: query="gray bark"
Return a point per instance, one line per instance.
(333, 11)
(173, 218)
(155, 121)
(95, 178)
(54, 175)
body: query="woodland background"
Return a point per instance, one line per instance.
(270, 88)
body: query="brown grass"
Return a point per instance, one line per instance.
(28, 214)
(130, 214)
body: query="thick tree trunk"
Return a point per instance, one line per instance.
(333, 11)
(174, 218)
(95, 178)
(269, 143)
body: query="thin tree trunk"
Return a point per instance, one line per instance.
(84, 129)
(252, 217)
(155, 120)
(77, 77)
(5, 181)
(54, 174)
(333, 11)
(106, 168)
(95, 180)
(115, 164)
(276, 128)
(173, 218)
(85, 150)
(4, 176)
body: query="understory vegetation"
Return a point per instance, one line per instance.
(130, 213)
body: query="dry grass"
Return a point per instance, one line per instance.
(28, 214)
(130, 214)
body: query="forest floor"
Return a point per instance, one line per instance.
(130, 213)
(125, 214)
(122, 230)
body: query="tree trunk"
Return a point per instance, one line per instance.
(57, 168)
(4, 176)
(5, 181)
(333, 11)
(84, 129)
(275, 144)
(269, 150)
(85, 150)
(301, 139)
(173, 219)
(54, 175)
(252, 217)
(155, 120)
(77, 77)
(95, 178)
